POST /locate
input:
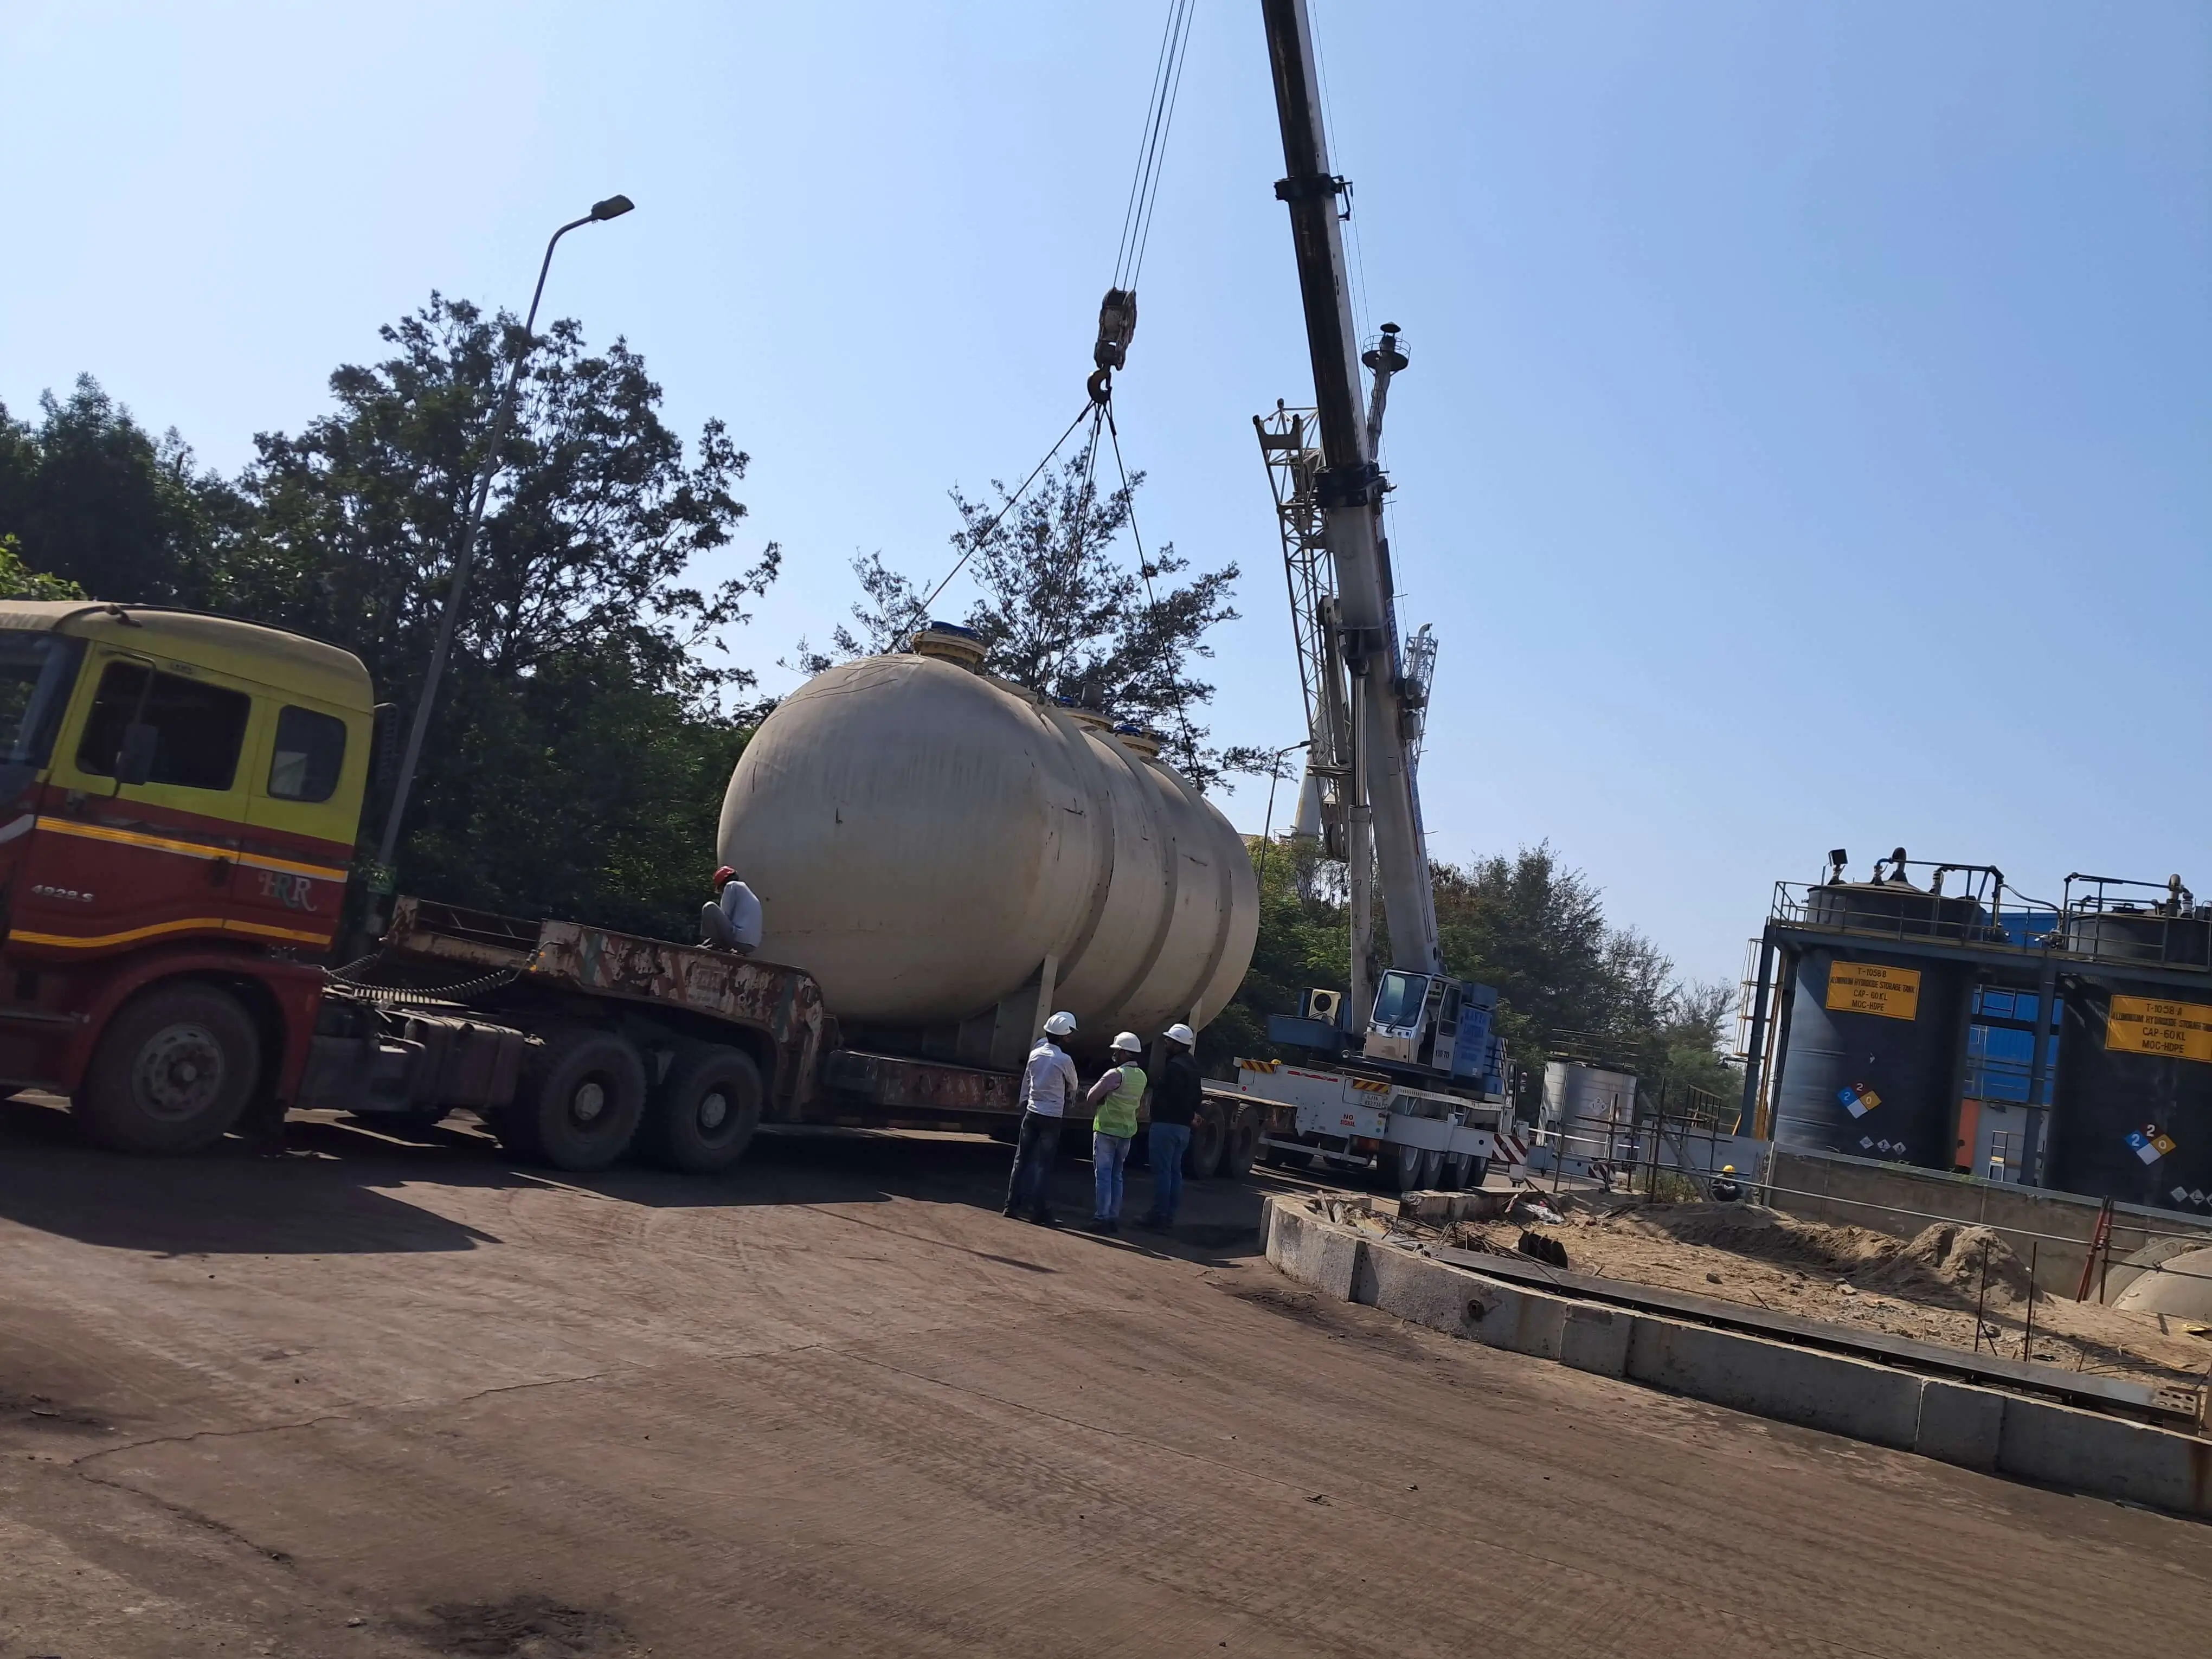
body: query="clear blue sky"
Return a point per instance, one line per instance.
(1807, 441)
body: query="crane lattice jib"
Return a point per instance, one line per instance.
(1293, 462)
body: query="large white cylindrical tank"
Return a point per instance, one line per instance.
(922, 837)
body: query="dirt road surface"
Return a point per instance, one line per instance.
(379, 1398)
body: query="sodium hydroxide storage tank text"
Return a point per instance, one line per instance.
(923, 837)
(1872, 1045)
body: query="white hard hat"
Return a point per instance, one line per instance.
(1060, 1024)
(1183, 1035)
(1128, 1042)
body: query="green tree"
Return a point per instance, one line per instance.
(577, 755)
(1302, 946)
(1060, 611)
(94, 498)
(18, 582)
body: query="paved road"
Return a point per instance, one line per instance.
(378, 1398)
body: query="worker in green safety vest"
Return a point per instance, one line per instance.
(1114, 1102)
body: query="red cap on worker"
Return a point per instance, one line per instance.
(722, 874)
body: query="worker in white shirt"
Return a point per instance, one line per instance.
(1047, 1085)
(732, 922)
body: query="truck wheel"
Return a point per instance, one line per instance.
(1243, 1143)
(1451, 1170)
(1209, 1138)
(1403, 1168)
(579, 1105)
(703, 1118)
(174, 1071)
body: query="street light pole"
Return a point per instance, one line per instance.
(502, 416)
(1267, 835)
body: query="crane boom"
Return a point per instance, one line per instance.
(1385, 800)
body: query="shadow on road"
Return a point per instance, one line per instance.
(332, 1186)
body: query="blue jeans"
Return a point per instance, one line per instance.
(1169, 1141)
(1108, 1153)
(1029, 1191)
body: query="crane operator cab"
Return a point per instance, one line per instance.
(1433, 1022)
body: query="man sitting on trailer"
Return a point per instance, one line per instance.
(732, 922)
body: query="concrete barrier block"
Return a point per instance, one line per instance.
(1793, 1385)
(1312, 1251)
(1519, 1321)
(2109, 1457)
(1415, 1288)
(1960, 1425)
(1596, 1339)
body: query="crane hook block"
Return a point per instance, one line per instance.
(1117, 326)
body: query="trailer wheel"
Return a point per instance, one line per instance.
(1451, 1170)
(580, 1103)
(1243, 1143)
(173, 1072)
(1209, 1138)
(703, 1118)
(1403, 1168)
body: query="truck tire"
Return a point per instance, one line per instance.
(581, 1098)
(1209, 1138)
(1403, 1168)
(1451, 1170)
(1241, 1145)
(173, 1074)
(703, 1117)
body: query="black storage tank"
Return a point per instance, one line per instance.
(2133, 1058)
(1872, 1050)
(2129, 934)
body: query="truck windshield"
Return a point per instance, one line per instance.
(1399, 998)
(37, 670)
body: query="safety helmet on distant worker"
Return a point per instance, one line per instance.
(1060, 1024)
(1180, 1033)
(723, 876)
(1727, 1168)
(1128, 1042)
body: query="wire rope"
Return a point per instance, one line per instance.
(1144, 570)
(976, 538)
(1151, 150)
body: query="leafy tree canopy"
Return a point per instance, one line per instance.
(93, 498)
(1061, 610)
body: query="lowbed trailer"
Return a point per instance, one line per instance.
(572, 1042)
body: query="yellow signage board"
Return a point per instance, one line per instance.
(2146, 1025)
(1869, 987)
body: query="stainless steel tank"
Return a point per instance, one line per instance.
(1594, 1108)
(923, 837)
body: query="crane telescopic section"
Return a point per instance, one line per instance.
(1385, 715)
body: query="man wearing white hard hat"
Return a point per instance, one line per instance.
(1176, 1099)
(1047, 1085)
(1114, 1099)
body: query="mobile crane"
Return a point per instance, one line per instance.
(1409, 1081)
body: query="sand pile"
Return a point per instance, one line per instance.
(1958, 1255)
(1945, 1258)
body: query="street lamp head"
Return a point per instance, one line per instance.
(613, 208)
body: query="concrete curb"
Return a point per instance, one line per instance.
(1975, 1428)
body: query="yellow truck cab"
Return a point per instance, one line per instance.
(179, 795)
